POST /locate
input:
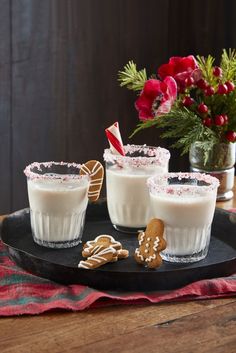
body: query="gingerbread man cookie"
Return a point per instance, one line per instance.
(104, 241)
(100, 258)
(99, 242)
(96, 172)
(151, 243)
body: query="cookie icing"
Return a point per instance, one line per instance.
(95, 171)
(97, 258)
(151, 243)
(112, 242)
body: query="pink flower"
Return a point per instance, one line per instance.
(180, 68)
(156, 98)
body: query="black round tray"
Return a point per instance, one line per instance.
(61, 265)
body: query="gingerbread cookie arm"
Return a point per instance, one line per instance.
(95, 170)
(139, 255)
(122, 254)
(162, 244)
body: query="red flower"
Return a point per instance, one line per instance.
(180, 68)
(156, 98)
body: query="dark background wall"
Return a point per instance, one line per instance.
(58, 73)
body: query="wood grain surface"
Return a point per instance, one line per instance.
(58, 74)
(201, 326)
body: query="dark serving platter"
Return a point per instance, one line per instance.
(61, 265)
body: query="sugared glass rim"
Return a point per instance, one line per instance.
(38, 166)
(155, 155)
(157, 185)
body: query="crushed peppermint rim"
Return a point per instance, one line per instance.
(159, 184)
(31, 171)
(149, 155)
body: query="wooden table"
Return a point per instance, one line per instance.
(203, 326)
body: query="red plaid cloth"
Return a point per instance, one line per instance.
(24, 293)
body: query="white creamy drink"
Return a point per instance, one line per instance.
(129, 201)
(187, 211)
(126, 177)
(57, 209)
(58, 205)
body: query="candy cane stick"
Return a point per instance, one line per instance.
(114, 139)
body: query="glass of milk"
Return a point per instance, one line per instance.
(185, 202)
(58, 198)
(127, 193)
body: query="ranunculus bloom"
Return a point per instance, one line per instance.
(156, 98)
(180, 68)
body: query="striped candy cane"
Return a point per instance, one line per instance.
(114, 139)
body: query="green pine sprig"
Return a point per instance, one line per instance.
(131, 78)
(228, 65)
(230, 107)
(182, 125)
(206, 66)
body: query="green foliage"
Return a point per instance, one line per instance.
(131, 78)
(206, 66)
(228, 65)
(230, 109)
(182, 125)
(186, 125)
(210, 155)
(207, 147)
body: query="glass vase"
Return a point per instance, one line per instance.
(217, 161)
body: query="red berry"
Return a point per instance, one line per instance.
(209, 91)
(219, 120)
(187, 101)
(231, 136)
(202, 108)
(230, 86)
(226, 119)
(222, 89)
(202, 84)
(217, 71)
(189, 81)
(207, 122)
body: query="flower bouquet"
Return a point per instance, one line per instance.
(191, 100)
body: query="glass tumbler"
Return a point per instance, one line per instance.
(126, 176)
(185, 202)
(58, 198)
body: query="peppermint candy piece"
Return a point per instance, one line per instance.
(114, 139)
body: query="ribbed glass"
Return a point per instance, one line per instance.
(57, 231)
(186, 244)
(126, 184)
